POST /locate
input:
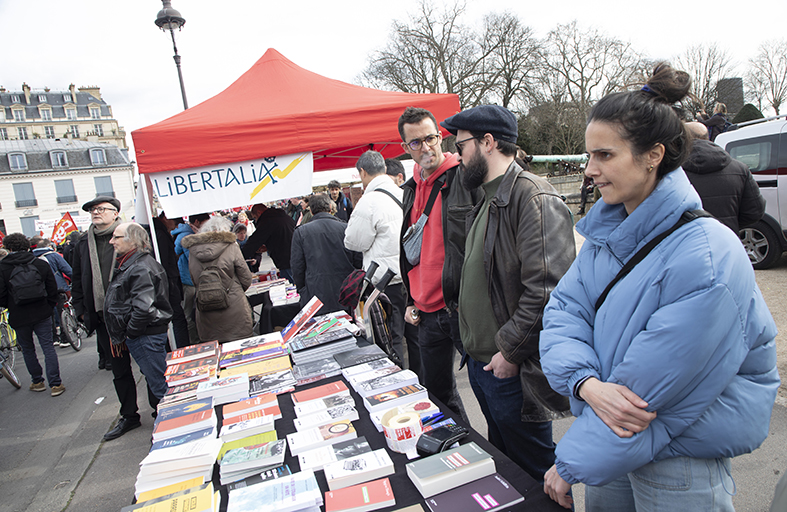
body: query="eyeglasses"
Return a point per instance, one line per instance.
(459, 143)
(416, 144)
(115, 237)
(101, 209)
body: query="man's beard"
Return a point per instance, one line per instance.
(474, 171)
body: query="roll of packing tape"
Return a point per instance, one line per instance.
(402, 431)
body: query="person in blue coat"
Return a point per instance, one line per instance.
(675, 372)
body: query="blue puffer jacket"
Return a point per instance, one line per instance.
(687, 330)
(180, 232)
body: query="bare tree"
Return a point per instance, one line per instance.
(767, 74)
(706, 65)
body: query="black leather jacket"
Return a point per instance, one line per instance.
(528, 246)
(457, 203)
(137, 299)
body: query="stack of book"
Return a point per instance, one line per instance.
(268, 474)
(358, 469)
(323, 404)
(276, 382)
(232, 430)
(330, 389)
(179, 394)
(356, 378)
(488, 494)
(251, 349)
(395, 398)
(265, 437)
(385, 383)
(266, 404)
(303, 316)
(361, 498)
(225, 389)
(284, 293)
(184, 419)
(310, 348)
(297, 492)
(359, 355)
(376, 364)
(324, 435)
(196, 370)
(452, 468)
(190, 353)
(317, 370)
(199, 498)
(317, 458)
(338, 413)
(175, 464)
(246, 461)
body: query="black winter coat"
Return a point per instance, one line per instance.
(727, 189)
(35, 312)
(274, 229)
(344, 207)
(320, 262)
(137, 299)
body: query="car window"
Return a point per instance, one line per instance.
(758, 153)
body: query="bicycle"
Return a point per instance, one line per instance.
(70, 326)
(8, 345)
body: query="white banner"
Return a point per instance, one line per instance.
(218, 187)
(82, 222)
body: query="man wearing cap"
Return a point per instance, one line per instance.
(93, 262)
(433, 282)
(518, 247)
(344, 207)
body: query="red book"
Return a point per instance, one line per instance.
(184, 424)
(324, 391)
(262, 402)
(273, 410)
(360, 498)
(303, 316)
(202, 350)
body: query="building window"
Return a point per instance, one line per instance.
(71, 114)
(97, 157)
(46, 114)
(29, 225)
(25, 195)
(74, 131)
(67, 98)
(95, 113)
(99, 129)
(49, 131)
(104, 186)
(15, 99)
(3, 133)
(42, 98)
(17, 161)
(19, 115)
(22, 132)
(65, 191)
(58, 159)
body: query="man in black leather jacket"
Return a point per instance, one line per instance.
(433, 284)
(136, 312)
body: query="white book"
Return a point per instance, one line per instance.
(194, 452)
(387, 383)
(341, 412)
(365, 467)
(367, 367)
(324, 435)
(315, 406)
(246, 428)
(395, 398)
(356, 379)
(144, 484)
(317, 458)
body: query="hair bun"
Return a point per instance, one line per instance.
(667, 84)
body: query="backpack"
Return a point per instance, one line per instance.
(211, 294)
(26, 284)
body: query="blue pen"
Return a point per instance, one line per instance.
(434, 419)
(430, 417)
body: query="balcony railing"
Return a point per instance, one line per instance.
(110, 194)
(26, 203)
(66, 199)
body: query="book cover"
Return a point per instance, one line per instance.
(447, 470)
(358, 469)
(223, 385)
(359, 355)
(331, 433)
(354, 380)
(265, 437)
(361, 498)
(315, 340)
(199, 351)
(255, 403)
(173, 411)
(341, 412)
(174, 369)
(259, 456)
(199, 373)
(191, 387)
(316, 406)
(385, 383)
(264, 476)
(169, 489)
(317, 458)
(301, 318)
(276, 383)
(394, 397)
(184, 424)
(286, 494)
(209, 432)
(246, 428)
(315, 370)
(320, 392)
(264, 339)
(249, 354)
(257, 368)
(487, 494)
(203, 451)
(376, 364)
(197, 499)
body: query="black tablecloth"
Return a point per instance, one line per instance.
(404, 491)
(272, 317)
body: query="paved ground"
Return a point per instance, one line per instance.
(54, 459)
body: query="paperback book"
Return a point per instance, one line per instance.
(358, 469)
(488, 494)
(315, 406)
(301, 318)
(449, 469)
(225, 389)
(265, 437)
(196, 499)
(361, 498)
(202, 350)
(264, 476)
(320, 392)
(317, 458)
(386, 383)
(376, 364)
(209, 432)
(267, 403)
(246, 428)
(253, 353)
(331, 433)
(354, 380)
(181, 409)
(359, 355)
(185, 424)
(257, 368)
(298, 491)
(395, 398)
(316, 370)
(275, 383)
(256, 457)
(341, 412)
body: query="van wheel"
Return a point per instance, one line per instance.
(761, 244)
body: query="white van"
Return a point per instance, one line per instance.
(762, 145)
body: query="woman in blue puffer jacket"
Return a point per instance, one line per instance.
(675, 373)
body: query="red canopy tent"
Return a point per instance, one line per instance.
(277, 108)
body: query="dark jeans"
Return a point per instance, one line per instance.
(24, 336)
(413, 348)
(147, 355)
(179, 325)
(529, 444)
(396, 295)
(102, 341)
(438, 335)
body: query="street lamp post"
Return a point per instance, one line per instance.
(170, 19)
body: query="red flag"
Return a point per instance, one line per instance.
(63, 227)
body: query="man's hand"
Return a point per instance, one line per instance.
(557, 488)
(617, 406)
(501, 368)
(409, 318)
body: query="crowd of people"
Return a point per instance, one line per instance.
(655, 335)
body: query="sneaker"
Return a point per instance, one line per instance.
(58, 390)
(38, 386)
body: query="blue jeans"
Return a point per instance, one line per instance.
(438, 336)
(529, 444)
(150, 354)
(681, 483)
(24, 336)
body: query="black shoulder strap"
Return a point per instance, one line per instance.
(438, 184)
(391, 196)
(687, 217)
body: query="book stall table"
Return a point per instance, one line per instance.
(271, 316)
(404, 491)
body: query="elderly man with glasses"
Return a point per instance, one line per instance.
(432, 282)
(93, 258)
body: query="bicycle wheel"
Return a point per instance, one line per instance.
(70, 329)
(6, 345)
(9, 374)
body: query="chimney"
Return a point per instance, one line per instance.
(2, 89)
(92, 90)
(72, 90)
(26, 89)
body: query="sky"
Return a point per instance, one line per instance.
(116, 45)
